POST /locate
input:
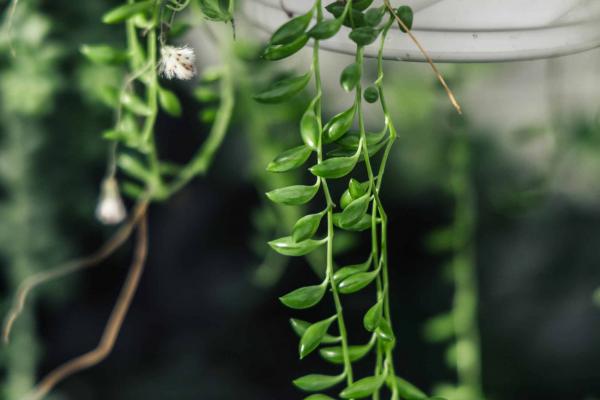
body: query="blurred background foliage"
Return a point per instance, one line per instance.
(206, 322)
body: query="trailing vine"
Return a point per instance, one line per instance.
(339, 150)
(133, 154)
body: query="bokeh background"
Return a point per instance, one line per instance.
(206, 323)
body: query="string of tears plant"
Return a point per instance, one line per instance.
(149, 24)
(339, 150)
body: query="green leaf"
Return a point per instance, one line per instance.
(291, 30)
(371, 94)
(355, 211)
(364, 35)
(288, 247)
(356, 282)
(363, 388)
(357, 189)
(350, 77)
(350, 270)
(361, 4)
(339, 125)
(126, 11)
(334, 167)
(284, 89)
(306, 227)
(299, 327)
(310, 127)
(134, 167)
(385, 333)
(352, 139)
(289, 159)
(103, 54)
(345, 199)
(362, 225)
(305, 297)
(169, 102)
(317, 382)
(373, 16)
(407, 390)
(354, 18)
(293, 195)
(439, 328)
(135, 104)
(314, 335)
(318, 397)
(215, 10)
(373, 317)
(335, 355)
(279, 52)
(325, 29)
(405, 13)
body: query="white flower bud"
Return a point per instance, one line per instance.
(177, 62)
(110, 209)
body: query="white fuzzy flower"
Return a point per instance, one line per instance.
(177, 62)
(110, 209)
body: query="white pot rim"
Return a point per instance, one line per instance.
(467, 30)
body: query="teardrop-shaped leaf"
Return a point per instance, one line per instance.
(384, 331)
(349, 270)
(104, 54)
(338, 125)
(313, 336)
(353, 19)
(355, 211)
(215, 10)
(169, 102)
(317, 382)
(363, 224)
(364, 35)
(283, 89)
(407, 390)
(288, 247)
(305, 297)
(121, 13)
(291, 30)
(358, 189)
(134, 167)
(325, 29)
(299, 327)
(405, 13)
(135, 104)
(356, 282)
(374, 16)
(334, 167)
(335, 355)
(371, 94)
(318, 397)
(293, 195)
(279, 52)
(363, 388)
(350, 77)
(306, 227)
(346, 199)
(289, 159)
(373, 317)
(352, 139)
(310, 127)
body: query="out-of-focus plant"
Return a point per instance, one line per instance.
(338, 151)
(459, 326)
(28, 84)
(149, 25)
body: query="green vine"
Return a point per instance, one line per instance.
(339, 150)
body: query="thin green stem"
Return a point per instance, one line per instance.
(330, 205)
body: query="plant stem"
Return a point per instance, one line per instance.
(330, 205)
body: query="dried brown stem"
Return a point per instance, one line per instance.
(72, 266)
(439, 76)
(113, 326)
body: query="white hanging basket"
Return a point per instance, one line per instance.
(466, 30)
